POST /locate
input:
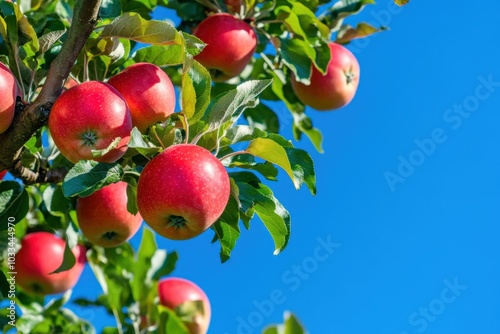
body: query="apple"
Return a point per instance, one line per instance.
(3, 173)
(103, 216)
(173, 292)
(337, 87)
(149, 93)
(8, 94)
(41, 253)
(182, 191)
(231, 43)
(90, 116)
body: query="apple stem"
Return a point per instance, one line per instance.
(176, 221)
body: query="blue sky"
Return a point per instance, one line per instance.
(418, 255)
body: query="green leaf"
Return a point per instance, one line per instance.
(255, 196)
(229, 106)
(110, 9)
(49, 39)
(160, 55)
(169, 322)
(69, 260)
(114, 144)
(162, 264)
(55, 201)
(195, 94)
(362, 30)
(227, 229)
(88, 176)
(271, 151)
(291, 326)
(263, 118)
(138, 143)
(140, 285)
(132, 26)
(132, 196)
(334, 17)
(14, 203)
(297, 55)
(401, 2)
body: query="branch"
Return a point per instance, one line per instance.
(30, 118)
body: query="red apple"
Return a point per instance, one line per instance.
(8, 94)
(337, 87)
(103, 216)
(41, 253)
(182, 191)
(173, 292)
(2, 174)
(87, 117)
(231, 43)
(148, 91)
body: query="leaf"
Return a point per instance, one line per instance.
(255, 196)
(55, 201)
(227, 229)
(138, 143)
(229, 106)
(110, 9)
(147, 248)
(49, 39)
(160, 55)
(401, 2)
(294, 55)
(132, 26)
(195, 94)
(291, 326)
(162, 264)
(132, 196)
(348, 33)
(263, 118)
(271, 151)
(334, 16)
(88, 176)
(69, 260)
(169, 322)
(14, 203)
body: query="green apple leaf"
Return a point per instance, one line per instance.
(228, 106)
(110, 9)
(132, 26)
(162, 264)
(160, 55)
(347, 33)
(195, 94)
(88, 176)
(227, 230)
(335, 15)
(257, 197)
(49, 39)
(263, 118)
(14, 203)
(140, 285)
(401, 2)
(291, 326)
(138, 144)
(55, 201)
(69, 260)
(169, 322)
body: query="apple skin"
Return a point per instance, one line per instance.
(337, 87)
(2, 174)
(41, 253)
(103, 216)
(231, 43)
(8, 94)
(175, 291)
(182, 191)
(89, 117)
(149, 93)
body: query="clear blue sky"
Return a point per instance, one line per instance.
(420, 257)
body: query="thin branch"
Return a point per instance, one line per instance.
(28, 119)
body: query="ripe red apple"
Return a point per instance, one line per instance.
(182, 191)
(87, 117)
(173, 292)
(8, 94)
(41, 253)
(337, 87)
(103, 216)
(231, 43)
(2, 174)
(148, 91)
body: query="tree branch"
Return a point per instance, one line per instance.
(30, 118)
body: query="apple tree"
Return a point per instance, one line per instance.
(111, 120)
